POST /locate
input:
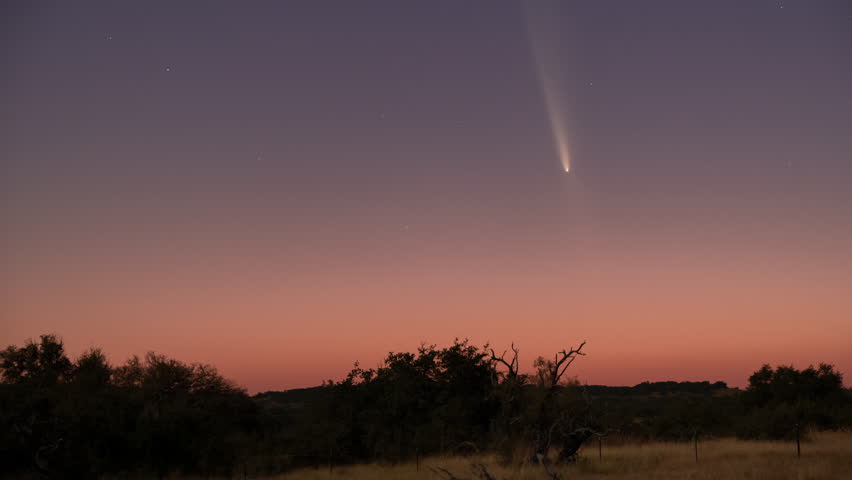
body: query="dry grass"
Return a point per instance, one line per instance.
(827, 456)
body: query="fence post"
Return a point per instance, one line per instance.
(417, 456)
(600, 447)
(695, 437)
(798, 443)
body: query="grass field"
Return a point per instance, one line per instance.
(826, 456)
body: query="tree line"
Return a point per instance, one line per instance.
(84, 418)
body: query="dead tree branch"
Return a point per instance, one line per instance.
(562, 360)
(542, 460)
(511, 365)
(480, 470)
(444, 473)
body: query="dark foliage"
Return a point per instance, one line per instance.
(86, 418)
(780, 401)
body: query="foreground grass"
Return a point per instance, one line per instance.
(827, 456)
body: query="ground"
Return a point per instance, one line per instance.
(826, 456)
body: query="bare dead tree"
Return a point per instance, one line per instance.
(508, 389)
(561, 361)
(511, 365)
(550, 416)
(551, 425)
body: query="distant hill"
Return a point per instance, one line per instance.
(298, 397)
(661, 388)
(294, 395)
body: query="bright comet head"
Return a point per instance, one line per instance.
(543, 29)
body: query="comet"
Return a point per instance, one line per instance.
(558, 128)
(544, 34)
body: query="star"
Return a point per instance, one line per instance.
(108, 36)
(168, 68)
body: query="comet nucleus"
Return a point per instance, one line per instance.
(543, 27)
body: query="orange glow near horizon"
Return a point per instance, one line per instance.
(655, 314)
(284, 188)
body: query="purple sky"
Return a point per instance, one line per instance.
(282, 188)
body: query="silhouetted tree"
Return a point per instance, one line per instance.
(779, 401)
(543, 411)
(88, 419)
(84, 419)
(429, 401)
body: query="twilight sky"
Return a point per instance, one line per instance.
(282, 188)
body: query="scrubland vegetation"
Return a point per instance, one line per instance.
(433, 413)
(825, 456)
